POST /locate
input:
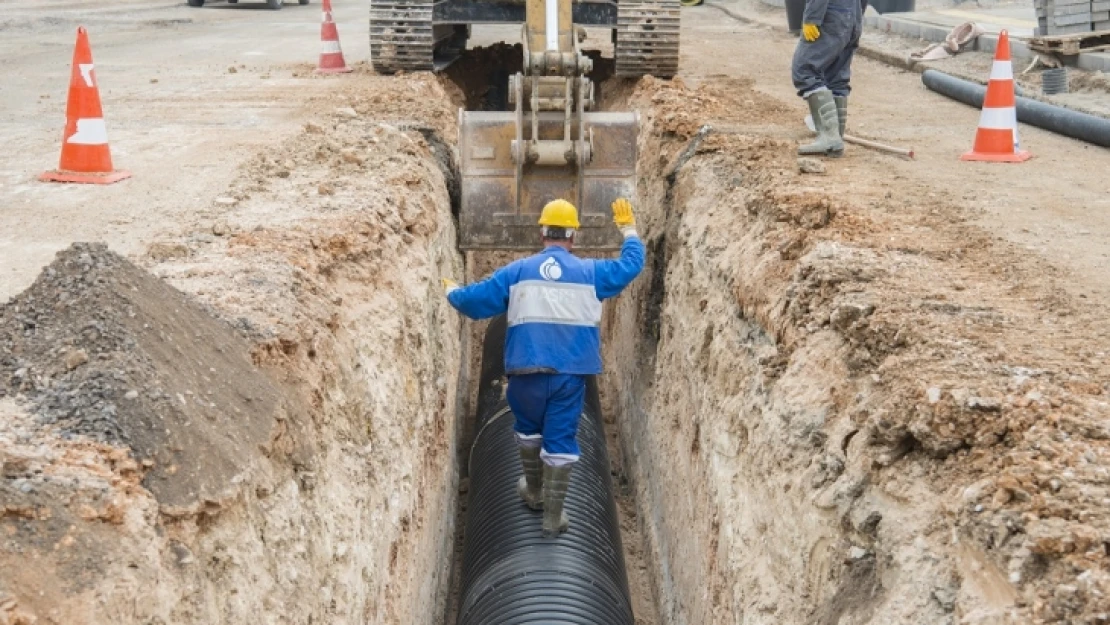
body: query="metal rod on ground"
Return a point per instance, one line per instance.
(867, 143)
(874, 145)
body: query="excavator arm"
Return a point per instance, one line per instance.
(552, 145)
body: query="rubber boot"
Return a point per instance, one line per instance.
(841, 112)
(556, 481)
(530, 486)
(823, 109)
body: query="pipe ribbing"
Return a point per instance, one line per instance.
(511, 574)
(1060, 120)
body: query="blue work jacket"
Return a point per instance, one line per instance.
(553, 301)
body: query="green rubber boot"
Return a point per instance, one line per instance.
(556, 481)
(841, 112)
(828, 142)
(530, 486)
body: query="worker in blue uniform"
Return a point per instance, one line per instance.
(553, 342)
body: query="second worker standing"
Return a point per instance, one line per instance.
(822, 68)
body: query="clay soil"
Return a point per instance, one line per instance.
(230, 389)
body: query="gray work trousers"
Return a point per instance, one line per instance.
(827, 62)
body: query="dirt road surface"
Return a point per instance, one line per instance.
(188, 94)
(1055, 207)
(874, 394)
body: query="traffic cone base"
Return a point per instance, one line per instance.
(85, 154)
(337, 70)
(73, 176)
(1016, 157)
(996, 145)
(331, 55)
(996, 140)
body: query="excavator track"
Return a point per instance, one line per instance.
(647, 38)
(401, 36)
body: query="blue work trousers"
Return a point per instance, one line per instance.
(827, 62)
(547, 407)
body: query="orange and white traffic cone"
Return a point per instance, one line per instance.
(997, 138)
(331, 55)
(85, 153)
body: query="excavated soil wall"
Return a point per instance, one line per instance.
(273, 440)
(843, 405)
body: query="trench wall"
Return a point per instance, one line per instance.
(368, 338)
(812, 419)
(325, 256)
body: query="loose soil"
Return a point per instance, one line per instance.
(870, 409)
(278, 443)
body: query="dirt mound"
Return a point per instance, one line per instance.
(103, 350)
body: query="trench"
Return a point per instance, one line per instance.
(742, 484)
(667, 362)
(711, 408)
(482, 78)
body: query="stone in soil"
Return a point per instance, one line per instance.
(810, 166)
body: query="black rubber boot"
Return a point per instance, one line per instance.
(556, 481)
(825, 120)
(530, 486)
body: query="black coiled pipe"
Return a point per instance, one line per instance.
(1057, 119)
(511, 574)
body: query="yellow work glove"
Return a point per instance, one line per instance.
(811, 32)
(623, 217)
(448, 285)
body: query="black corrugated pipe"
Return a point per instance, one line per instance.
(1060, 120)
(511, 574)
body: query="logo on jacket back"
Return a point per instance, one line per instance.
(551, 270)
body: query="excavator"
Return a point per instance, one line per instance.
(552, 144)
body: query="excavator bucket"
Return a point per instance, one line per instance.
(502, 200)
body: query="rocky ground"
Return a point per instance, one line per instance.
(868, 390)
(278, 442)
(871, 411)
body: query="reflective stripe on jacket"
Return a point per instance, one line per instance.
(553, 301)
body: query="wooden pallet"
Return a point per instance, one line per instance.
(1070, 45)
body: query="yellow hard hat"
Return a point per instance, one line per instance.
(560, 213)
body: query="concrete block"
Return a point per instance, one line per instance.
(1073, 10)
(1101, 16)
(1094, 61)
(1076, 9)
(1073, 29)
(908, 27)
(1100, 5)
(1071, 20)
